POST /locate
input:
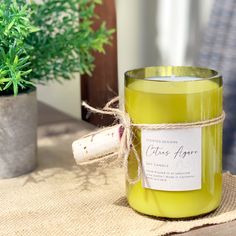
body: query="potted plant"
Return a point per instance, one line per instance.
(39, 42)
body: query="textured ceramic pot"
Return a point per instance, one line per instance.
(18, 134)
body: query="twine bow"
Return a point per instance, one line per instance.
(126, 140)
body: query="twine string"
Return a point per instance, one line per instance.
(126, 143)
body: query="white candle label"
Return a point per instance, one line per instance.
(171, 159)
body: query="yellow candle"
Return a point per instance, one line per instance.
(171, 95)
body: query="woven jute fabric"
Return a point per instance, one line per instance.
(60, 198)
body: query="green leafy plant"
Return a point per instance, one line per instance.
(49, 40)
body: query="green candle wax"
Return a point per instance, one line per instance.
(160, 100)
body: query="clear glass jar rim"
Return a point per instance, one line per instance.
(146, 73)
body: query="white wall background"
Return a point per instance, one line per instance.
(159, 32)
(65, 97)
(150, 32)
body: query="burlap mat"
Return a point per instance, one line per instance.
(60, 198)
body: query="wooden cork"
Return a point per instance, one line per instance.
(97, 144)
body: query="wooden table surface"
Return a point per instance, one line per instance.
(226, 229)
(51, 117)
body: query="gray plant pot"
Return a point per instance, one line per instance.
(18, 134)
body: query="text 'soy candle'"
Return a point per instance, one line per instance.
(181, 168)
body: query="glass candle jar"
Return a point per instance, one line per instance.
(181, 168)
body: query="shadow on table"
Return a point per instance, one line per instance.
(54, 164)
(84, 176)
(122, 202)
